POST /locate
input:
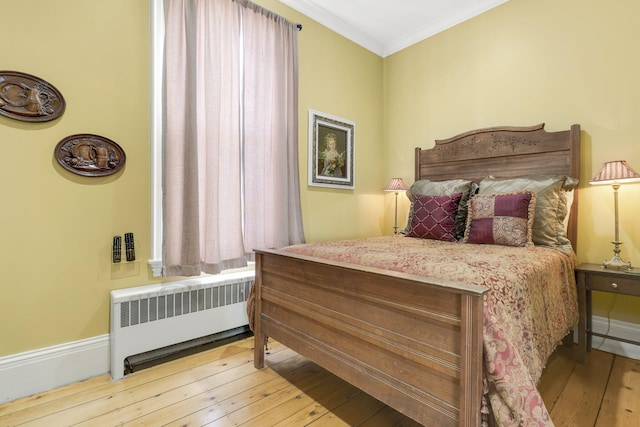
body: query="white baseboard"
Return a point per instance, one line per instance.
(36, 371)
(616, 328)
(40, 370)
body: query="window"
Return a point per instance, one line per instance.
(225, 138)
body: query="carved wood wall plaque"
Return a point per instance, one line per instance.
(29, 98)
(90, 155)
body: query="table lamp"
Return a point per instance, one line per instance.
(396, 185)
(616, 173)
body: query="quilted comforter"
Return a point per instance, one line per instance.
(531, 306)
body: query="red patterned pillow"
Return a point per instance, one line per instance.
(501, 219)
(433, 217)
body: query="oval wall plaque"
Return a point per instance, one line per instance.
(89, 155)
(29, 98)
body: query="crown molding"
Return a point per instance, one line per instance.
(439, 26)
(386, 48)
(336, 24)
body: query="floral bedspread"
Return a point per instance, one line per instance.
(531, 306)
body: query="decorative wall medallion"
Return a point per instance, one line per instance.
(89, 155)
(29, 98)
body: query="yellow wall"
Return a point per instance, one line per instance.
(57, 227)
(527, 62)
(343, 79)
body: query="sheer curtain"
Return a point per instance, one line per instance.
(231, 181)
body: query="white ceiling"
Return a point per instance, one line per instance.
(387, 26)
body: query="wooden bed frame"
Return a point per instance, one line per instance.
(414, 343)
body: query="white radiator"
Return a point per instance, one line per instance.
(150, 317)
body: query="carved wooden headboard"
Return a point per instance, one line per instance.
(505, 151)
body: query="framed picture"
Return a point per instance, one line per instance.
(331, 151)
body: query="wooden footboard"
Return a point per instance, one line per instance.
(411, 342)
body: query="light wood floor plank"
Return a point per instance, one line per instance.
(205, 389)
(101, 400)
(213, 398)
(31, 402)
(556, 375)
(351, 413)
(77, 394)
(220, 387)
(262, 401)
(387, 417)
(306, 396)
(254, 400)
(579, 403)
(319, 407)
(621, 403)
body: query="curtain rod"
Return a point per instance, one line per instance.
(299, 26)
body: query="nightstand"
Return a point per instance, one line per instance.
(593, 277)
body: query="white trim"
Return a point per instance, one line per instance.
(616, 328)
(156, 267)
(440, 25)
(386, 48)
(336, 24)
(157, 55)
(39, 370)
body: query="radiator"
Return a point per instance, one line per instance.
(146, 318)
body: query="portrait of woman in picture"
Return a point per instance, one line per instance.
(331, 151)
(331, 160)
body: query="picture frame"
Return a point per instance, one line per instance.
(331, 151)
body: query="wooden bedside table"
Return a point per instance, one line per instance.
(593, 277)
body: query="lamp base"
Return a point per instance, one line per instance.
(616, 263)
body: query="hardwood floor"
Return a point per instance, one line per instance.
(220, 387)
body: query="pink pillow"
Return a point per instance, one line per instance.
(433, 217)
(501, 219)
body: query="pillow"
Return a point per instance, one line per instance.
(445, 188)
(433, 217)
(501, 219)
(569, 197)
(549, 227)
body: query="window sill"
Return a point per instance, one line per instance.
(156, 268)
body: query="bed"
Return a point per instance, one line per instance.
(431, 336)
